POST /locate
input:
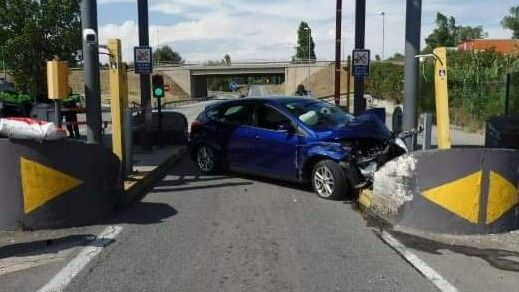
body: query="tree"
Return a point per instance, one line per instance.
(397, 58)
(303, 50)
(511, 21)
(227, 60)
(166, 55)
(34, 32)
(443, 34)
(447, 34)
(467, 33)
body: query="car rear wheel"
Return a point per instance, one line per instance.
(329, 180)
(206, 159)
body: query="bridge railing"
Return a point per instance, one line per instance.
(241, 64)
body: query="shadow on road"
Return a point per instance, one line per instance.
(144, 213)
(47, 246)
(498, 258)
(186, 177)
(220, 185)
(141, 213)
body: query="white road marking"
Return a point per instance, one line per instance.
(441, 283)
(72, 269)
(20, 263)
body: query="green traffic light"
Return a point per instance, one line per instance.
(159, 92)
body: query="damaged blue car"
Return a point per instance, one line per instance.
(294, 139)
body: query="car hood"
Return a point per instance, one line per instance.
(365, 126)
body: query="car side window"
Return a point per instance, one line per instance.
(270, 118)
(241, 114)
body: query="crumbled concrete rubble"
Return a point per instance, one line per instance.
(394, 186)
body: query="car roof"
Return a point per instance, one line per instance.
(272, 99)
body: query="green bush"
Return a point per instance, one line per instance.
(476, 85)
(386, 80)
(15, 98)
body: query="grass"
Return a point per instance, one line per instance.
(322, 83)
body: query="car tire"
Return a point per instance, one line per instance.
(206, 159)
(329, 180)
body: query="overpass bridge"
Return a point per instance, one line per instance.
(193, 78)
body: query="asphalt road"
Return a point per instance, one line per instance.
(226, 233)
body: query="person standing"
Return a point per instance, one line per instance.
(69, 111)
(301, 91)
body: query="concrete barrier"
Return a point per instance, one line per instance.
(458, 191)
(56, 184)
(174, 129)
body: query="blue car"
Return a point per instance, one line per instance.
(294, 139)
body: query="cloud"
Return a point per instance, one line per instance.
(266, 29)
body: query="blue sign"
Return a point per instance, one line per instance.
(234, 86)
(143, 60)
(361, 62)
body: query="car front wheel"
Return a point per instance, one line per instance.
(206, 159)
(329, 180)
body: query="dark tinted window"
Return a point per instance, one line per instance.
(233, 113)
(271, 119)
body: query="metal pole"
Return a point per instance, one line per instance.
(91, 71)
(348, 84)
(359, 103)
(338, 40)
(144, 40)
(309, 57)
(383, 36)
(57, 113)
(427, 131)
(412, 48)
(159, 109)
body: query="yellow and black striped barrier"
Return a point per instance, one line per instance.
(458, 191)
(56, 184)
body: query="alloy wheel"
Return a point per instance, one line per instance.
(324, 182)
(205, 159)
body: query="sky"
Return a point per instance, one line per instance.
(266, 30)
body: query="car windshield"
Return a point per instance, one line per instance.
(319, 115)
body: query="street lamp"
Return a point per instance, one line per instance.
(383, 14)
(309, 30)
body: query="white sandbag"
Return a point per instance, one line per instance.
(30, 129)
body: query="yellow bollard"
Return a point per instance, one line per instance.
(118, 98)
(442, 98)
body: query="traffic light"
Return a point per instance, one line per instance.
(158, 86)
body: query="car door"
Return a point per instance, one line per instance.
(234, 133)
(275, 144)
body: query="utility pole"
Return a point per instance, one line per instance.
(158, 46)
(359, 103)
(91, 71)
(309, 31)
(338, 40)
(309, 60)
(412, 49)
(348, 84)
(383, 14)
(144, 40)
